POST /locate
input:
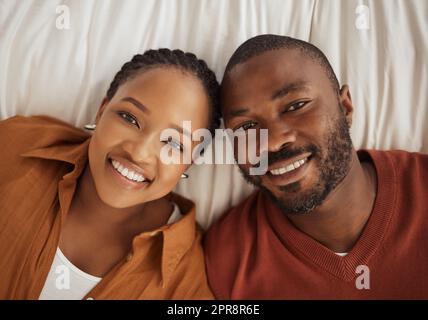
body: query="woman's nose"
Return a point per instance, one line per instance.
(144, 148)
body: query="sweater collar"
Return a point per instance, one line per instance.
(370, 238)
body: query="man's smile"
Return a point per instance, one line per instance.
(289, 171)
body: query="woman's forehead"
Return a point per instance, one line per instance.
(168, 94)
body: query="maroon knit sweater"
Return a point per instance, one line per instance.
(254, 252)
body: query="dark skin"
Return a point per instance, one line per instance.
(290, 94)
(105, 215)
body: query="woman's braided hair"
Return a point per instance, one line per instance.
(172, 58)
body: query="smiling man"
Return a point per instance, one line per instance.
(327, 221)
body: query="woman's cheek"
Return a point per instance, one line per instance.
(171, 174)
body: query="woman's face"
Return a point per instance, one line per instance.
(128, 135)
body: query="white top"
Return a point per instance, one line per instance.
(342, 254)
(67, 282)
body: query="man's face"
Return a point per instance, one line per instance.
(309, 149)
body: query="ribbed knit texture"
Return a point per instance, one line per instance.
(255, 252)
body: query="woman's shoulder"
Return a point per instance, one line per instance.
(18, 126)
(23, 133)
(30, 121)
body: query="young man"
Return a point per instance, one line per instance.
(328, 222)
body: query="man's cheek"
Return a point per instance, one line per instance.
(243, 168)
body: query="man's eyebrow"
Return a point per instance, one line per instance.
(136, 103)
(286, 89)
(238, 112)
(290, 87)
(181, 130)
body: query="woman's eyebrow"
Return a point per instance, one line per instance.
(136, 103)
(180, 129)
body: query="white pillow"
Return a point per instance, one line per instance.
(65, 73)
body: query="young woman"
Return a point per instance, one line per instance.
(92, 216)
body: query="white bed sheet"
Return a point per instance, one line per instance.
(65, 72)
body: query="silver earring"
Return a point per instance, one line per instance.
(90, 127)
(184, 176)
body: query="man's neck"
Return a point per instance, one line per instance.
(339, 221)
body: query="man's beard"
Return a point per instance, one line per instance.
(333, 167)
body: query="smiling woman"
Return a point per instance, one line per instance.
(95, 212)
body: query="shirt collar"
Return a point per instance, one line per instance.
(73, 149)
(177, 238)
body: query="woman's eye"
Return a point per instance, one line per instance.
(297, 106)
(174, 144)
(129, 118)
(246, 126)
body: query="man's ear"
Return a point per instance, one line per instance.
(346, 103)
(101, 109)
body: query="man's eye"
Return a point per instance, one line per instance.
(246, 126)
(297, 106)
(173, 143)
(129, 118)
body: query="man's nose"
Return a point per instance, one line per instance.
(280, 135)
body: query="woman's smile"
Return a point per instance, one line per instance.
(125, 177)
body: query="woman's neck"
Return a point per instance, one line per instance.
(88, 207)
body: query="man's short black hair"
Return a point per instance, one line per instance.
(268, 42)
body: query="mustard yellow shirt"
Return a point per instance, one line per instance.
(41, 159)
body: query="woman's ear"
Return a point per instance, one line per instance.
(346, 103)
(185, 174)
(101, 109)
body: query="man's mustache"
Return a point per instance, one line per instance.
(287, 153)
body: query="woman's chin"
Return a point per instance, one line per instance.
(118, 200)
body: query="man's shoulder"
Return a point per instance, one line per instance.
(397, 155)
(401, 172)
(236, 219)
(227, 243)
(402, 162)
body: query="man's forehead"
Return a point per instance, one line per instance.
(273, 62)
(267, 73)
(271, 69)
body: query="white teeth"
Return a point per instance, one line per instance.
(288, 168)
(129, 174)
(124, 172)
(115, 164)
